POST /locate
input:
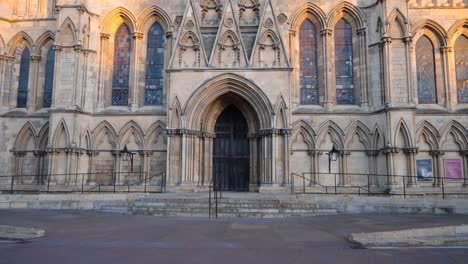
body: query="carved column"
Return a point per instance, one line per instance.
(57, 50)
(409, 76)
(438, 167)
(329, 94)
(390, 154)
(344, 177)
(450, 92)
(372, 160)
(364, 102)
(411, 157)
(464, 154)
(117, 176)
(101, 100)
(135, 91)
(387, 82)
(32, 86)
(76, 102)
(315, 156)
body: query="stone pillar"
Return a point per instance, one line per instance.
(450, 92)
(411, 156)
(77, 92)
(344, 178)
(364, 102)
(91, 177)
(372, 161)
(57, 50)
(329, 92)
(387, 82)
(438, 167)
(117, 176)
(32, 86)
(464, 154)
(135, 70)
(409, 74)
(390, 153)
(101, 100)
(315, 157)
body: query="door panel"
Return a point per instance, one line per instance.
(231, 152)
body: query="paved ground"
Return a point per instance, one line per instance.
(90, 237)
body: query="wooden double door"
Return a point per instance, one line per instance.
(231, 154)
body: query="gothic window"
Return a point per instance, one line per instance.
(120, 78)
(308, 59)
(22, 97)
(425, 71)
(461, 61)
(49, 78)
(344, 63)
(154, 66)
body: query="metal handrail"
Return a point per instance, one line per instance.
(145, 180)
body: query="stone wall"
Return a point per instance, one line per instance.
(226, 52)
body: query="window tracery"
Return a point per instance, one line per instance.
(121, 73)
(344, 63)
(154, 66)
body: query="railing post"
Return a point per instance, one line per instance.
(146, 177)
(404, 186)
(443, 187)
(335, 184)
(115, 179)
(368, 185)
(82, 182)
(48, 182)
(303, 183)
(209, 201)
(292, 183)
(12, 184)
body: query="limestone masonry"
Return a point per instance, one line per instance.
(248, 94)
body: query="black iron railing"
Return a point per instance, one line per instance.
(372, 185)
(84, 183)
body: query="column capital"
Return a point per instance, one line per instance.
(169, 34)
(388, 150)
(386, 39)
(292, 33)
(446, 49)
(36, 58)
(105, 36)
(361, 31)
(372, 153)
(408, 39)
(326, 32)
(137, 35)
(410, 150)
(437, 152)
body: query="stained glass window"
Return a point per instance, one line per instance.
(49, 78)
(308, 59)
(154, 66)
(120, 79)
(22, 98)
(461, 62)
(425, 71)
(344, 63)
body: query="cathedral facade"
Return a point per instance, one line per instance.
(253, 93)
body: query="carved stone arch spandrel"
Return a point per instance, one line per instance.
(332, 129)
(68, 33)
(115, 18)
(306, 11)
(151, 15)
(20, 41)
(363, 132)
(61, 136)
(402, 130)
(26, 138)
(104, 131)
(302, 130)
(130, 131)
(396, 22)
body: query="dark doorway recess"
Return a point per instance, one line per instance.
(231, 153)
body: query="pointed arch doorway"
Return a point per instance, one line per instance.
(231, 154)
